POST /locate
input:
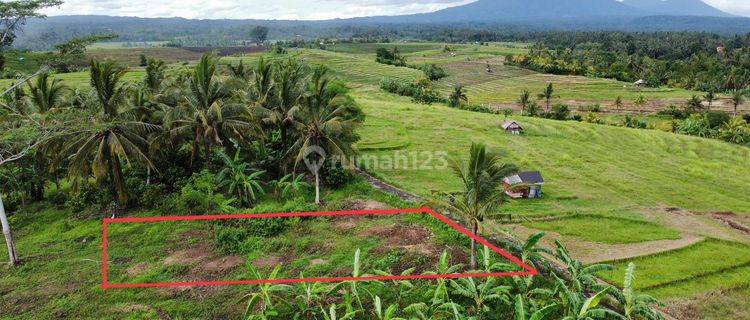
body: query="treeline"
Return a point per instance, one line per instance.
(693, 61)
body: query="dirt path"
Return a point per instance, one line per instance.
(594, 252)
(377, 183)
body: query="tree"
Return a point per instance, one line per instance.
(105, 142)
(524, 100)
(547, 95)
(507, 113)
(710, 97)
(694, 104)
(457, 97)
(259, 34)
(618, 103)
(639, 102)
(13, 16)
(45, 93)
(207, 119)
(321, 124)
(154, 78)
(481, 191)
(738, 98)
(73, 51)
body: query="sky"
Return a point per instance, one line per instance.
(285, 9)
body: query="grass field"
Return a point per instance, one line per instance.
(608, 229)
(707, 265)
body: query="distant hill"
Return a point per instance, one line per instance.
(493, 15)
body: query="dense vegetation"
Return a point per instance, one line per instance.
(687, 60)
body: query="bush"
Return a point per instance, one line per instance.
(152, 195)
(334, 175)
(696, 125)
(419, 93)
(631, 122)
(433, 71)
(674, 112)
(247, 235)
(477, 108)
(746, 117)
(558, 112)
(88, 196)
(716, 119)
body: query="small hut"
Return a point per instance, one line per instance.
(640, 83)
(524, 185)
(512, 127)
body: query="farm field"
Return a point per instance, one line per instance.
(606, 187)
(55, 241)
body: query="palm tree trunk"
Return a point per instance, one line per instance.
(474, 230)
(119, 182)
(317, 187)
(148, 175)
(8, 235)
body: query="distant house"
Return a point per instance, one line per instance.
(513, 127)
(640, 83)
(721, 49)
(524, 185)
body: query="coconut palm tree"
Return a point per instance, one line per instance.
(288, 93)
(481, 192)
(618, 103)
(207, 118)
(106, 81)
(240, 71)
(321, 125)
(155, 75)
(105, 142)
(46, 93)
(738, 98)
(547, 95)
(524, 100)
(457, 97)
(694, 104)
(710, 97)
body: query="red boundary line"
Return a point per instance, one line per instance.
(529, 270)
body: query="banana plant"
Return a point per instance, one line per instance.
(482, 293)
(541, 314)
(264, 298)
(388, 314)
(331, 314)
(402, 286)
(578, 309)
(440, 291)
(443, 310)
(636, 306)
(582, 278)
(307, 297)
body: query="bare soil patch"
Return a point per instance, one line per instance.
(190, 256)
(137, 269)
(366, 205)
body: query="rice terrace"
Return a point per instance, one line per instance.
(460, 160)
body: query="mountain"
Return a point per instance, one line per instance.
(559, 10)
(677, 7)
(521, 10)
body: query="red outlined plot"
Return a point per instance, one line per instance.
(527, 270)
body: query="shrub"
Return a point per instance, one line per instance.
(88, 196)
(433, 71)
(334, 175)
(152, 195)
(246, 235)
(695, 125)
(674, 112)
(420, 93)
(746, 117)
(632, 122)
(717, 119)
(558, 112)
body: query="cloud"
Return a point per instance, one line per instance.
(283, 9)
